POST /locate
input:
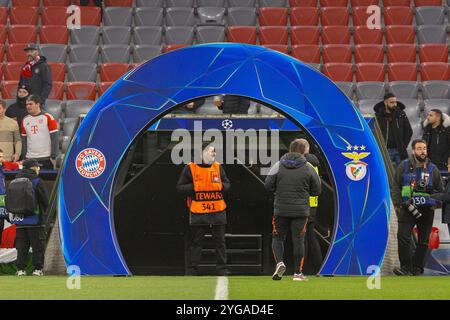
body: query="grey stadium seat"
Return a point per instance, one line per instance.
(210, 3)
(54, 107)
(366, 105)
(117, 16)
(84, 53)
(432, 34)
(85, 35)
(180, 17)
(179, 35)
(441, 104)
(148, 35)
(209, 34)
(69, 125)
(149, 3)
(430, 15)
(404, 89)
(241, 16)
(370, 90)
(211, 15)
(316, 66)
(65, 143)
(436, 89)
(4, 3)
(180, 3)
(347, 87)
(143, 53)
(116, 35)
(54, 52)
(242, 3)
(417, 132)
(116, 53)
(82, 72)
(412, 108)
(272, 3)
(148, 16)
(76, 107)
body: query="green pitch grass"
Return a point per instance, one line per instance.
(187, 288)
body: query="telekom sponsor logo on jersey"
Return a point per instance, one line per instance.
(90, 163)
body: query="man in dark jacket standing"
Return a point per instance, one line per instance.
(437, 135)
(395, 127)
(18, 110)
(36, 73)
(293, 180)
(445, 198)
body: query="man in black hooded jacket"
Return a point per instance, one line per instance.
(437, 135)
(18, 110)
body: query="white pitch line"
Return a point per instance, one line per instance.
(221, 289)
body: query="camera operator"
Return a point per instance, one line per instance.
(415, 180)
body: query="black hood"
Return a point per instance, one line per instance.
(311, 158)
(293, 160)
(379, 107)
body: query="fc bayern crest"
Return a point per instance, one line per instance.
(90, 163)
(356, 170)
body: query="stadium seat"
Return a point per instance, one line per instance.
(210, 3)
(3, 15)
(432, 34)
(103, 86)
(148, 16)
(148, 35)
(333, 3)
(435, 89)
(11, 70)
(171, 47)
(398, 16)
(401, 53)
(404, 89)
(56, 3)
(85, 35)
(370, 90)
(110, 72)
(430, 15)
(441, 104)
(278, 47)
(242, 34)
(342, 72)
(118, 3)
(25, 3)
(179, 35)
(81, 71)
(84, 53)
(273, 35)
(180, 17)
(433, 52)
(302, 3)
(116, 35)
(117, 16)
(396, 3)
(54, 16)
(74, 108)
(143, 53)
(211, 15)
(15, 52)
(359, 16)
(3, 34)
(54, 34)
(421, 3)
(2, 53)
(336, 53)
(241, 16)
(369, 53)
(180, 3)
(304, 16)
(57, 92)
(24, 15)
(81, 90)
(241, 3)
(69, 123)
(305, 35)
(272, 3)
(334, 16)
(402, 71)
(399, 34)
(363, 3)
(335, 35)
(364, 35)
(347, 87)
(316, 66)
(58, 70)
(9, 89)
(90, 16)
(435, 71)
(54, 52)
(412, 110)
(209, 34)
(22, 34)
(273, 16)
(54, 107)
(149, 3)
(115, 53)
(309, 53)
(370, 72)
(365, 106)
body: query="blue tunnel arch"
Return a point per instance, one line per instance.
(85, 197)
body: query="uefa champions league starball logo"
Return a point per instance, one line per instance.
(90, 163)
(356, 170)
(227, 124)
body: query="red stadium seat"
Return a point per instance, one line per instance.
(90, 3)
(25, 3)
(57, 91)
(398, 16)
(342, 72)
(15, 52)
(421, 3)
(24, 15)
(56, 3)
(54, 34)
(334, 16)
(335, 35)
(55, 16)
(304, 16)
(3, 15)
(309, 53)
(118, 3)
(19, 33)
(370, 72)
(337, 53)
(302, 3)
(3, 34)
(402, 71)
(9, 89)
(369, 53)
(395, 3)
(305, 35)
(363, 3)
(2, 52)
(58, 70)
(12, 70)
(110, 72)
(242, 34)
(401, 53)
(400, 34)
(103, 86)
(90, 16)
(81, 90)
(170, 47)
(273, 35)
(277, 47)
(359, 16)
(333, 3)
(435, 71)
(364, 35)
(273, 16)
(433, 52)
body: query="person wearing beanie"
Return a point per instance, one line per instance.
(18, 110)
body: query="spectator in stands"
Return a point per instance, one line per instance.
(445, 198)
(18, 110)
(190, 107)
(232, 104)
(36, 74)
(437, 135)
(415, 180)
(395, 127)
(293, 180)
(98, 3)
(39, 134)
(10, 141)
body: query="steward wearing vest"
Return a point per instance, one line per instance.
(204, 185)
(415, 180)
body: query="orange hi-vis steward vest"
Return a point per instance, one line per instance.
(208, 189)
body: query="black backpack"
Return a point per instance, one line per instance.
(20, 197)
